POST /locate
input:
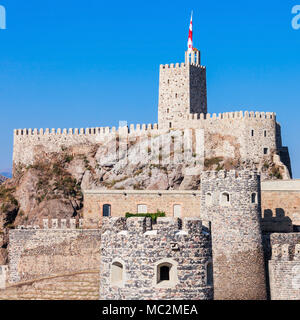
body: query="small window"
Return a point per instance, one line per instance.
(142, 208)
(208, 199)
(168, 81)
(170, 124)
(106, 210)
(176, 95)
(209, 274)
(225, 198)
(265, 150)
(177, 210)
(265, 133)
(164, 273)
(253, 198)
(252, 133)
(168, 110)
(116, 273)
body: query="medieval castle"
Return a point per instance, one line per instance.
(234, 238)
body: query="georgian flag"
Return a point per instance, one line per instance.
(190, 40)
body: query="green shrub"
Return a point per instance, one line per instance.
(153, 216)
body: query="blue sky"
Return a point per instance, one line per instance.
(84, 64)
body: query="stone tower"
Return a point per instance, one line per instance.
(232, 202)
(167, 260)
(182, 90)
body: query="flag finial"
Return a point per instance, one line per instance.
(190, 39)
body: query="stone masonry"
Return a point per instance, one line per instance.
(139, 248)
(232, 200)
(284, 267)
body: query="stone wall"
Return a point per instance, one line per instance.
(182, 91)
(284, 267)
(65, 286)
(123, 201)
(232, 200)
(246, 135)
(281, 205)
(40, 253)
(137, 248)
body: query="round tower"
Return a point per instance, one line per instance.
(232, 202)
(167, 260)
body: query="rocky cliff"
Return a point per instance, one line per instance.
(2, 179)
(52, 186)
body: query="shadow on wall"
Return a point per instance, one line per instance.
(276, 223)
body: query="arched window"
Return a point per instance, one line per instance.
(117, 273)
(208, 199)
(163, 272)
(225, 198)
(106, 210)
(253, 198)
(166, 273)
(177, 210)
(142, 208)
(209, 274)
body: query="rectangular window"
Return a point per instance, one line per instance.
(142, 208)
(265, 150)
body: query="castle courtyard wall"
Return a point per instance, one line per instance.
(123, 201)
(34, 254)
(65, 286)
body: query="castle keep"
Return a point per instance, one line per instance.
(233, 238)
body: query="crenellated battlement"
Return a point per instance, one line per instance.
(179, 65)
(135, 128)
(286, 252)
(232, 174)
(232, 115)
(86, 131)
(54, 224)
(144, 226)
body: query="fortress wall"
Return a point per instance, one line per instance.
(236, 234)
(284, 267)
(238, 125)
(139, 248)
(65, 286)
(127, 201)
(54, 140)
(37, 253)
(281, 205)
